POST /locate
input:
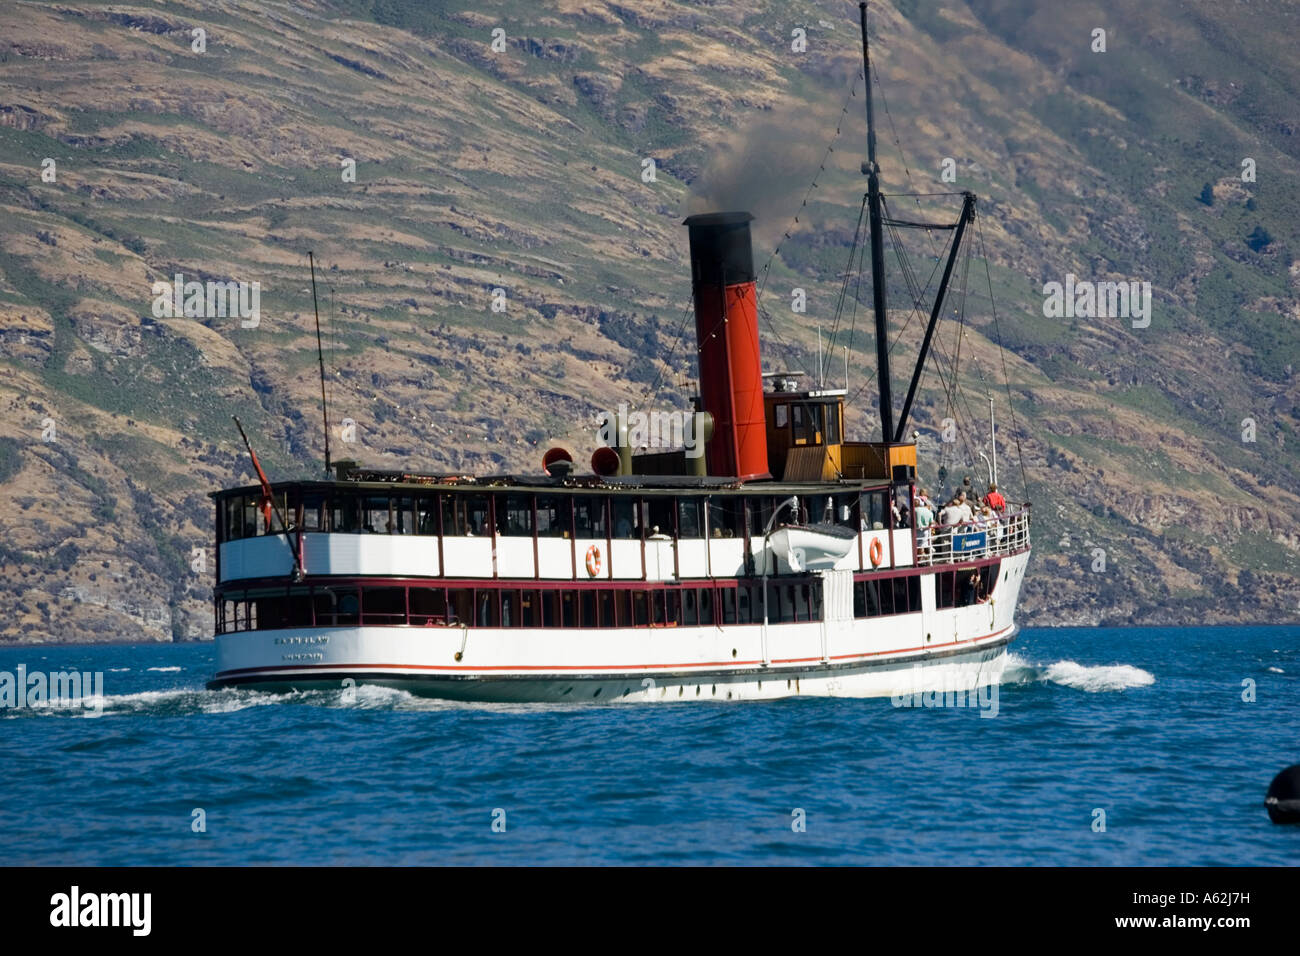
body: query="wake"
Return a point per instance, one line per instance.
(1092, 678)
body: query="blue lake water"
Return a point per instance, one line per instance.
(1147, 725)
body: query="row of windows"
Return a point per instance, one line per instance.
(966, 586)
(810, 423)
(341, 605)
(545, 515)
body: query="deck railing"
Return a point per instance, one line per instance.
(981, 538)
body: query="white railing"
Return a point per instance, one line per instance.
(981, 538)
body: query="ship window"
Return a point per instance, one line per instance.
(782, 416)
(657, 614)
(845, 510)
(873, 509)
(345, 514)
(553, 518)
(886, 597)
(486, 608)
(569, 608)
(517, 518)
(465, 515)
(871, 597)
(453, 515)
(831, 418)
(989, 577)
(428, 606)
(375, 517)
(639, 613)
(252, 517)
(726, 517)
(529, 609)
(706, 605)
(232, 520)
(588, 601)
(954, 588)
(272, 611)
(901, 596)
(589, 517)
(728, 596)
(660, 514)
(673, 607)
(383, 606)
(314, 512)
(690, 608)
(607, 618)
(426, 514)
(689, 524)
(460, 603)
(780, 603)
(403, 516)
(509, 608)
(801, 597)
(337, 606)
(627, 517)
(806, 427)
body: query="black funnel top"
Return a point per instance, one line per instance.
(721, 251)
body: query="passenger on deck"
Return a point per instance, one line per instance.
(924, 518)
(951, 514)
(995, 500)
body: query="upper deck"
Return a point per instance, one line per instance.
(587, 528)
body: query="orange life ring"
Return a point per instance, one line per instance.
(876, 553)
(593, 561)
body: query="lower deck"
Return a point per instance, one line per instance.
(517, 663)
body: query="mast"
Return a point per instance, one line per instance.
(320, 356)
(877, 249)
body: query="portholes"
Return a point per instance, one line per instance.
(626, 691)
(728, 695)
(598, 690)
(715, 690)
(567, 690)
(697, 690)
(733, 652)
(927, 638)
(681, 689)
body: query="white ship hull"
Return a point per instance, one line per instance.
(934, 649)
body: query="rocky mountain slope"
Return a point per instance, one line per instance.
(1161, 460)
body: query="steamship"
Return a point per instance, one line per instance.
(785, 560)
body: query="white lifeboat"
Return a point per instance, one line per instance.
(812, 547)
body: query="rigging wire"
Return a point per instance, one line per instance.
(1006, 379)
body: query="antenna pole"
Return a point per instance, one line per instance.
(821, 376)
(877, 249)
(993, 440)
(320, 356)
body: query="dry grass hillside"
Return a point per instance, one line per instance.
(521, 169)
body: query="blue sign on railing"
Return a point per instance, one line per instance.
(969, 541)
